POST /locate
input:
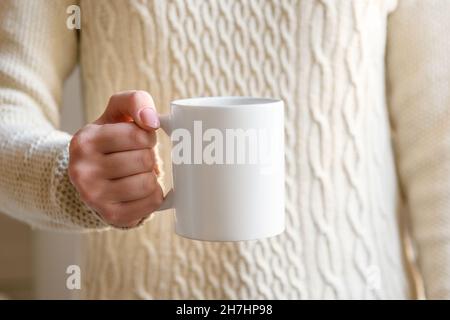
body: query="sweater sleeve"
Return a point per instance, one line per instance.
(418, 60)
(37, 52)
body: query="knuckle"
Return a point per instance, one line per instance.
(78, 173)
(134, 97)
(139, 96)
(81, 174)
(74, 172)
(115, 97)
(82, 140)
(75, 146)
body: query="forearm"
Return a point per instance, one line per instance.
(34, 185)
(36, 54)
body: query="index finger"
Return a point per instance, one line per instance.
(124, 136)
(136, 105)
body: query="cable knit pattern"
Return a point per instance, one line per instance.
(324, 58)
(318, 57)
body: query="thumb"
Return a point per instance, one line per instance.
(137, 106)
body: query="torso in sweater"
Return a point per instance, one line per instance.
(325, 59)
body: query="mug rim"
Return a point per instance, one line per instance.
(224, 101)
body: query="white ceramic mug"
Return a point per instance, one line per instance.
(228, 167)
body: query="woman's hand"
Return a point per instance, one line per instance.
(112, 161)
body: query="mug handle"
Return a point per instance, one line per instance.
(166, 125)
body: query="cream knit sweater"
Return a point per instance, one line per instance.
(359, 149)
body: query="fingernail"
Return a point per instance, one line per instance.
(149, 117)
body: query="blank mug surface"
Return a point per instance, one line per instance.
(228, 167)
